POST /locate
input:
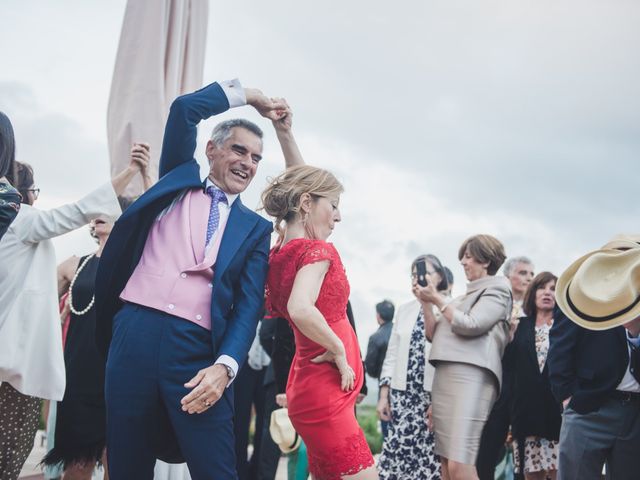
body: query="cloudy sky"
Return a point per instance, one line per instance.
(443, 119)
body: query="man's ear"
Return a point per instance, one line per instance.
(209, 151)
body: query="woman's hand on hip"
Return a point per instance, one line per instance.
(347, 375)
(326, 357)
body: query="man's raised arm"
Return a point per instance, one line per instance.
(187, 111)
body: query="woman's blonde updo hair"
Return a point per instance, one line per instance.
(281, 198)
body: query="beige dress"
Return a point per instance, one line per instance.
(467, 354)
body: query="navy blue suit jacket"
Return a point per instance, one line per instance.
(585, 365)
(241, 266)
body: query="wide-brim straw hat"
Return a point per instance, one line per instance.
(282, 431)
(601, 290)
(623, 242)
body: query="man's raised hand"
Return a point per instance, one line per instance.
(267, 107)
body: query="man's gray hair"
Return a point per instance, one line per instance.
(511, 263)
(222, 131)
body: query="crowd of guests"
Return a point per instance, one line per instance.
(135, 346)
(566, 388)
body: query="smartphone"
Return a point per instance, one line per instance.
(421, 271)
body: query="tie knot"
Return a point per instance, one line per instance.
(216, 194)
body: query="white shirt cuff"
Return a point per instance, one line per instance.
(231, 363)
(234, 92)
(634, 340)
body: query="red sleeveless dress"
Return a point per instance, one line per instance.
(320, 411)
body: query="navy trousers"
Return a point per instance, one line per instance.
(152, 355)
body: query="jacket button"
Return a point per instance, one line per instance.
(211, 285)
(198, 317)
(183, 275)
(171, 306)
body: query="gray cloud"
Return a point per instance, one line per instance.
(527, 107)
(66, 161)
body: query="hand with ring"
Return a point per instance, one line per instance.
(207, 388)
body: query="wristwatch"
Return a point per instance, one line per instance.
(230, 372)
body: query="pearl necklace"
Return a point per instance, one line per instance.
(73, 281)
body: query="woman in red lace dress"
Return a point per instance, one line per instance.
(308, 286)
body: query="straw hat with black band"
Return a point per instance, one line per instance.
(282, 431)
(601, 290)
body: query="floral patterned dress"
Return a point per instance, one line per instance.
(407, 451)
(539, 453)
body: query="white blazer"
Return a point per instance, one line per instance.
(31, 357)
(397, 359)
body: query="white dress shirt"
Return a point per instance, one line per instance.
(629, 382)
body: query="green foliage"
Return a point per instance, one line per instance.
(368, 420)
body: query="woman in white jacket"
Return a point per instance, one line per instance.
(31, 359)
(405, 390)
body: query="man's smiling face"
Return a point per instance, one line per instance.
(234, 164)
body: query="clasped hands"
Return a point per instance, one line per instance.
(208, 387)
(275, 109)
(140, 157)
(347, 375)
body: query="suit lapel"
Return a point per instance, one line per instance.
(238, 227)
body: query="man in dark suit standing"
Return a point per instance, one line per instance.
(594, 364)
(377, 347)
(379, 341)
(180, 289)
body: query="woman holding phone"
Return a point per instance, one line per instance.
(405, 386)
(469, 339)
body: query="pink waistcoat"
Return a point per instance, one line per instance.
(173, 274)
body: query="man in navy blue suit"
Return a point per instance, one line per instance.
(180, 289)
